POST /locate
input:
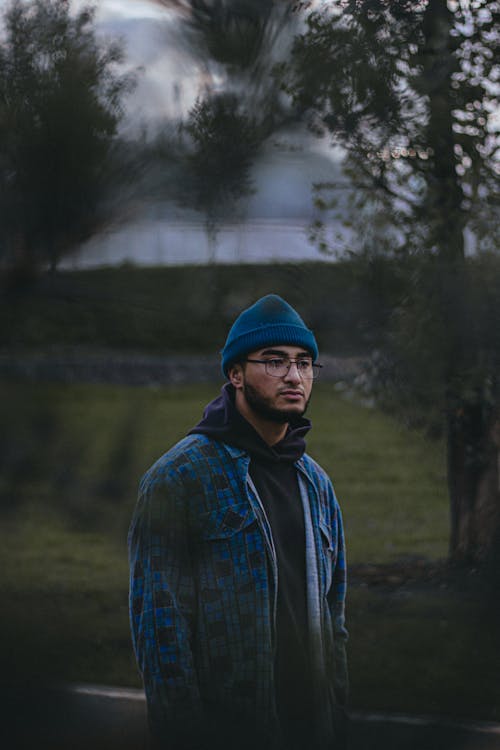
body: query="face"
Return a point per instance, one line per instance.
(275, 399)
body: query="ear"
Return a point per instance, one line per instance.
(236, 376)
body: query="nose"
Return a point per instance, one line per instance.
(293, 375)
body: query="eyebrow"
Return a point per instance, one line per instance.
(281, 353)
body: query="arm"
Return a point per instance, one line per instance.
(162, 603)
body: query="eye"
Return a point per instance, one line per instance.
(275, 364)
(304, 365)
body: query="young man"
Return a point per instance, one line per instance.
(237, 560)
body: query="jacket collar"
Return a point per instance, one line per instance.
(240, 453)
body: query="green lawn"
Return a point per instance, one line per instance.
(81, 450)
(71, 459)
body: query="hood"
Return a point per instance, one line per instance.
(222, 421)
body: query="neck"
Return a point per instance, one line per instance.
(271, 432)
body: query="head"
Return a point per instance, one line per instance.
(276, 391)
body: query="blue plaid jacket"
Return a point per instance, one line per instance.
(203, 592)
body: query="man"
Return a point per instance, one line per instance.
(237, 560)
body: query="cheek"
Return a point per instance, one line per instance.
(258, 385)
(263, 391)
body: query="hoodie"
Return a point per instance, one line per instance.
(272, 470)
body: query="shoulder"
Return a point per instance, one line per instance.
(189, 458)
(314, 470)
(318, 476)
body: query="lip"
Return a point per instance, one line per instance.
(292, 395)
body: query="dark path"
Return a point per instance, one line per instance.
(100, 718)
(380, 732)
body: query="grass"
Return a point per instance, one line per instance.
(72, 457)
(390, 481)
(81, 449)
(425, 650)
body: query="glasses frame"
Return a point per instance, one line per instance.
(316, 367)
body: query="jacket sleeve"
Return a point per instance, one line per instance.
(336, 601)
(162, 608)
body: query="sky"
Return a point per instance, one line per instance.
(275, 219)
(168, 77)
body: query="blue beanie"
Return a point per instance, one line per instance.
(269, 321)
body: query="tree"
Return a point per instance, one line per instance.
(237, 44)
(224, 142)
(408, 90)
(60, 106)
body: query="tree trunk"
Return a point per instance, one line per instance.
(473, 427)
(444, 193)
(474, 483)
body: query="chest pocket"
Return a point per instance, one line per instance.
(230, 542)
(227, 521)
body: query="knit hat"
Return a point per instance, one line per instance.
(269, 321)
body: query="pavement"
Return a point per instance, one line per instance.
(106, 718)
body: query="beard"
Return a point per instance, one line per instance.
(264, 408)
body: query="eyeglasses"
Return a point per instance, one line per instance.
(278, 367)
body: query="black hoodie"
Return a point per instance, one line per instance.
(272, 469)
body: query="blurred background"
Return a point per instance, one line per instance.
(164, 164)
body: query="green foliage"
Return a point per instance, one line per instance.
(60, 105)
(349, 69)
(410, 91)
(239, 42)
(349, 74)
(232, 33)
(224, 142)
(239, 45)
(411, 373)
(127, 308)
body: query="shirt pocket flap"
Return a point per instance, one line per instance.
(326, 535)
(227, 521)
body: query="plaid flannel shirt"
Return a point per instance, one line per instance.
(203, 590)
